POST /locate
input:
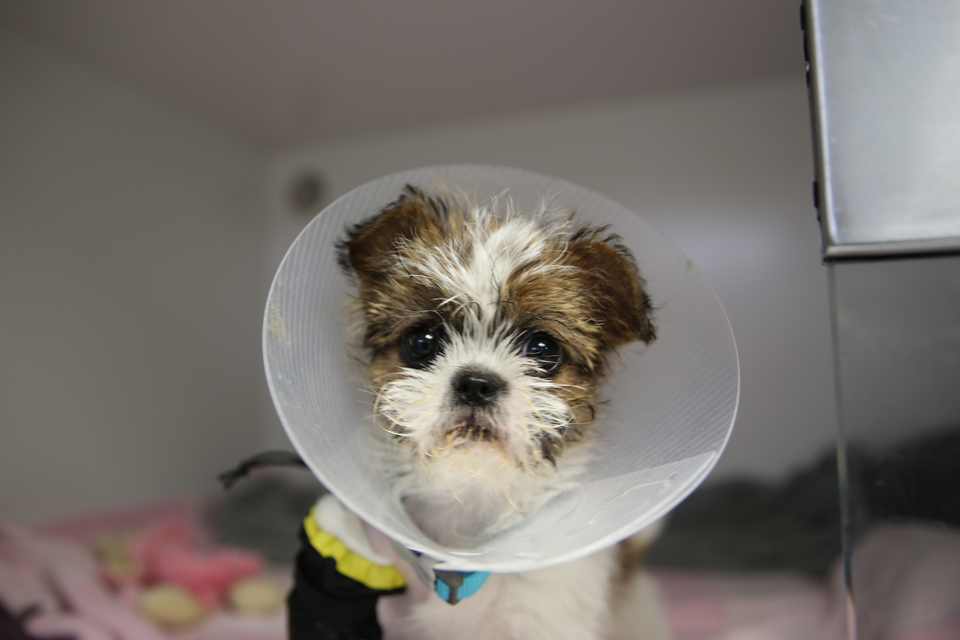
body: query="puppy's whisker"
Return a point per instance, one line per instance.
(443, 302)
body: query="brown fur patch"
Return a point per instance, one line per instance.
(618, 292)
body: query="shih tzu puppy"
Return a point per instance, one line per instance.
(486, 332)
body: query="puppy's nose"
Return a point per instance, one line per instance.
(476, 388)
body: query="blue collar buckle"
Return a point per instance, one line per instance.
(450, 586)
(454, 586)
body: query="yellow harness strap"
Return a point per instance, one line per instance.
(350, 564)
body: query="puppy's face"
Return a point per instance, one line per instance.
(488, 332)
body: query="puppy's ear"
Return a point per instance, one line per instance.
(370, 245)
(618, 292)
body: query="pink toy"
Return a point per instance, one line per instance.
(169, 552)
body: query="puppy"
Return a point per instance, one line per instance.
(486, 334)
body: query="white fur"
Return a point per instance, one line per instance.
(466, 496)
(567, 602)
(638, 614)
(474, 267)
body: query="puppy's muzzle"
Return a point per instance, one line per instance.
(477, 388)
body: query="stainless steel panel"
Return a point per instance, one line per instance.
(897, 348)
(885, 93)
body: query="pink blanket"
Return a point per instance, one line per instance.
(910, 574)
(53, 574)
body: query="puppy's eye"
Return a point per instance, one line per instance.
(421, 345)
(545, 350)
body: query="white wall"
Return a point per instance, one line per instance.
(132, 274)
(725, 173)
(130, 293)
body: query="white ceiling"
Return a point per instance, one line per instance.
(287, 71)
